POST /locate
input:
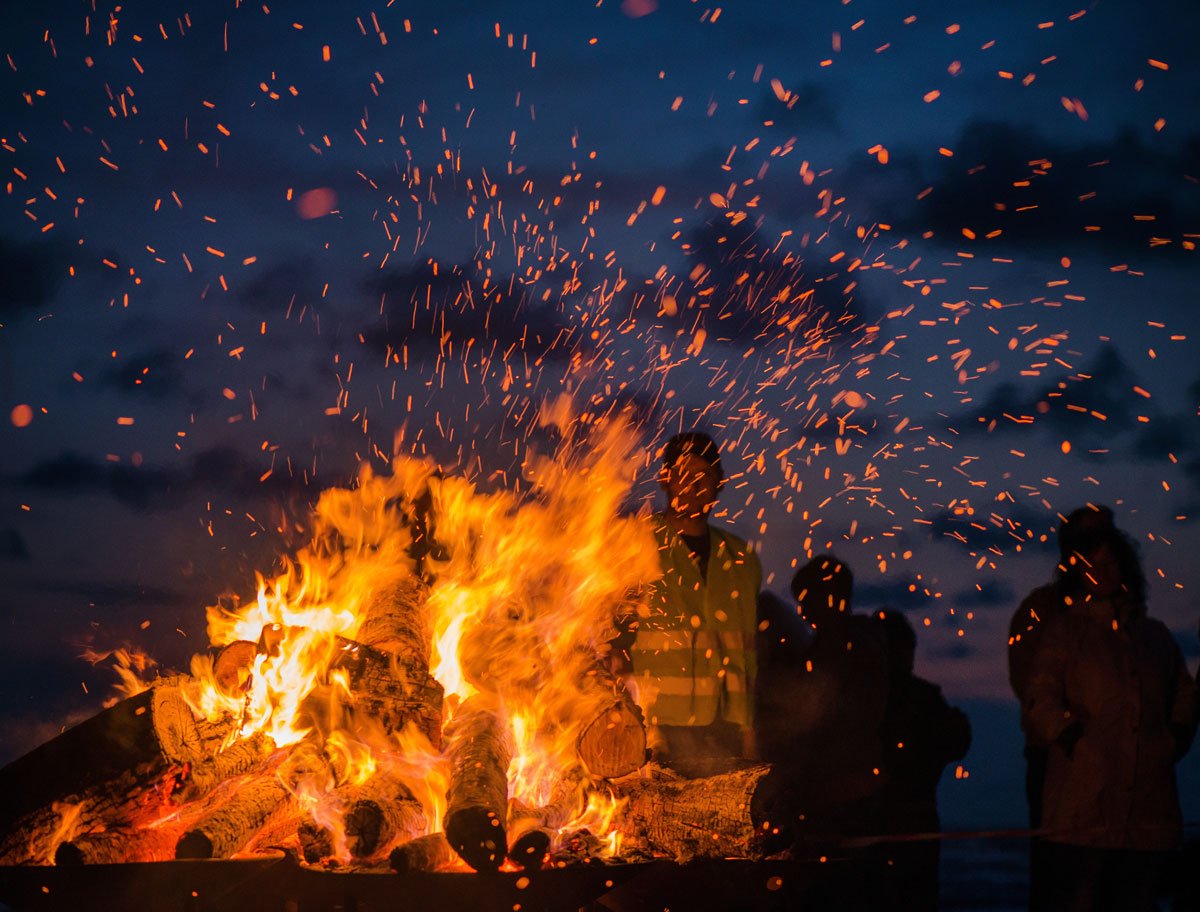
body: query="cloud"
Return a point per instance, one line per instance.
(286, 285)
(429, 308)
(147, 488)
(978, 531)
(1091, 407)
(155, 374)
(13, 546)
(904, 593)
(807, 106)
(1006, 177)
(986, 595)
(117, 595)
(30, 275)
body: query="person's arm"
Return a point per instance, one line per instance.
(1184, 702)
(1045, 700)
(750, 649)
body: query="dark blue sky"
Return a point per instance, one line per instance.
(987, 271)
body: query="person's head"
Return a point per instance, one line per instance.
(901, 642)
(691, 474)
(1104, 564)
(1082, 525)
(823, 588)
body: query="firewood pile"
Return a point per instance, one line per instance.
(182, 769)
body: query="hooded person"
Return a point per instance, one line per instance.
(1110, 693)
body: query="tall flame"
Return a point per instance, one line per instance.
(522, 592)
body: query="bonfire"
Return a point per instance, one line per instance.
(425, 685)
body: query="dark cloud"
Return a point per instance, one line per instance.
(13, 546)
(1071, 405)
(1007, 177)
(954, 649)
(807, 106)
(155, 374)
(904, 593)
(282, 287)
(117, 595)
(148, 488)
(30, 275)
(446, 308)
(1000, 530)
(986, 595)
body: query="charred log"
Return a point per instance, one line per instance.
(231, 826)
(392, 690)
(397, 621)
(135, 753)
(381, 812)
(532, 831)
(477, 800)
(118, 846)
(425, 853)
(732, 815)
(239, 758)
(580, 847)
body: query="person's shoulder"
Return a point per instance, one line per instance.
(1043, 600)
(735, 544)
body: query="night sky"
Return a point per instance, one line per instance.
(926, 270)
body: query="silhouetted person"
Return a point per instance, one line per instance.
(821, 703)
(1109, 691)
(1024, 635)
(922, 733)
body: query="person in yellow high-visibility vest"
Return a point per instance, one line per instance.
(693, 655)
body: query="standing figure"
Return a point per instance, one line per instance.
(821, 706)
(693, 652)
(922, 733)
(1024, 636)
(1110, 693)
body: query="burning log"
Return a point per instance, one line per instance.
(134, 754)
(580, 847)
(425, 853)
(732, 815)
(382, 812)
(613, 743)
(378, 813)
(397, 621)
(479, 753)
(231, 826)
(238, 759)
(232, 666)
(120, 845)
(532, 831)
(390, 689)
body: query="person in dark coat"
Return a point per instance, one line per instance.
(1024, 634)
(1110, 692)
(821, 701)
(922, 733)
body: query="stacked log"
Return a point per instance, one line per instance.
(731, 815)
(112, 769)
(227, 829)
(612, 743)
(124, 844)
(377, 814)
(533, 831)
(425, 853)
(381, 812)
(479, 750)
